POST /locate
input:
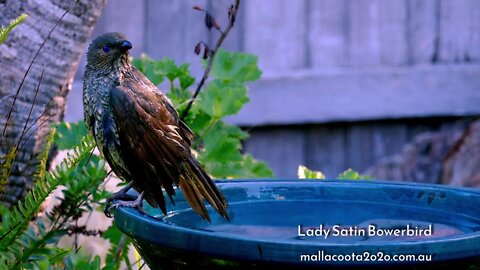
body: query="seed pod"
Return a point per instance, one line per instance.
(209, 20)
(206, 52)
(198, 48)
(231, 14)
(197, 7)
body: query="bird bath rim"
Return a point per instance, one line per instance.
(141, 226)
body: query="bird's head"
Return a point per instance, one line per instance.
(109, 51)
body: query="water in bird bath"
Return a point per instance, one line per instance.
(328, 221)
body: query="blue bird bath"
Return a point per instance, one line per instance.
(301, 224)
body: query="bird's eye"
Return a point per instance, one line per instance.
(106, 49)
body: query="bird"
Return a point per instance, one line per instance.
(139, 133)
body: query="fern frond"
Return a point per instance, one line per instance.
(42, 157)
(6, 167)
(4, 31)
(32, 247)
(26, 210)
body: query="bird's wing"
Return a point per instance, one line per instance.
(156, 149)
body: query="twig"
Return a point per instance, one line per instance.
(31, 108)
(35, 130)
(75, 237)
(211, 59)
(121, 245)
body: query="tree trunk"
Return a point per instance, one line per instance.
(59, 58)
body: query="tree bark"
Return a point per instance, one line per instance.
(59, 58)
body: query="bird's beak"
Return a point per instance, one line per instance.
(126, 45)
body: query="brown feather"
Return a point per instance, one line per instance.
(155, 147)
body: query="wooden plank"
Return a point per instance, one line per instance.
(275, 31)
(393, 32)
(455, 30)
(173, 29)
(416, 127)
(473, 43)
(326, 149)
(366, 94)
(388, 139)
(364, 35)
(328, 33)
(127, 17)
(422, 30)
(283, 149)
(359, 147)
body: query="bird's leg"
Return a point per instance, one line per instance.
(123, 199)
(137, 203)
(122, 194)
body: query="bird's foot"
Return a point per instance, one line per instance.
(121, 195)
(124, 200)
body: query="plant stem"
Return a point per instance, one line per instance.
(211, 59)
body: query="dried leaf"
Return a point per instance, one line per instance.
(198, 48)
(209, 20)
(206, 52)
(231, 14)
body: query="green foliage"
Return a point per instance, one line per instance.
(218, 144)
(306, 173)
(118, 251)
(4, 31)
(69, 134)
(235, 66)
(23, 242)
(222, 98)
(80, 260)
(6, 167)
(352, 175)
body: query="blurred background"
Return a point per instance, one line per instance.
(389, 88)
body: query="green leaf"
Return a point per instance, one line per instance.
(6, 164)
(233, 131)
(256, 168)
(179, 97)
(305, 173)
(352, 175)
(235, 66)
(4, 31)
(221, 99)
(200, 121)
(220, 146)
(67, 135)
(79, 260)
(119, 247)
(152, 69)
(186, 80)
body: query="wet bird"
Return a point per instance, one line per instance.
(138, 131)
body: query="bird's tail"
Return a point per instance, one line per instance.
(197, 185)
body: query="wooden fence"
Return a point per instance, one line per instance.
(345, 82)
